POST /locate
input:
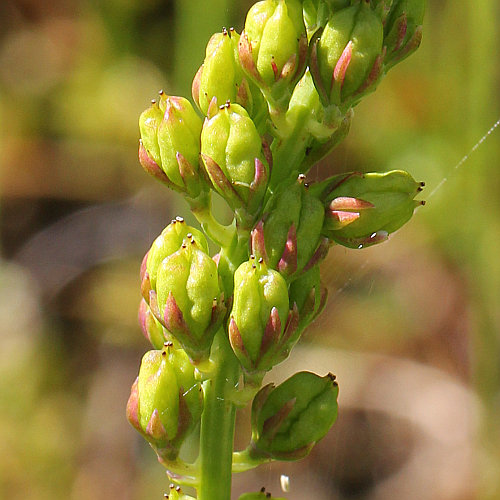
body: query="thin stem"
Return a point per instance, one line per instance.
(220, 234)
(242, 461)
(217, 424)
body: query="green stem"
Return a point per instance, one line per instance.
(243, 461)
(220, 234)
(217, 424)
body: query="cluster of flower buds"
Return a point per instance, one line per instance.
(165, 403)
(269, 104)
(180, 285)
(289, 419)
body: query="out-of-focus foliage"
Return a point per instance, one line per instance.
(77, 213)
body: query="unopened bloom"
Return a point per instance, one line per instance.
(363, 209)
(170, 144)
(289, 419)
(273, 46)
(260, 324)
(346, 58)
(290, 231)
(233, 157)
(165, 402)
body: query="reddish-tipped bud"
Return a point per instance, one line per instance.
(290, 231)
(259, 325)
(165, 402)
(363, 209)
(289, 419)
(346, 56)
(232, 153)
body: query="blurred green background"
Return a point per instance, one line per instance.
(412, 327)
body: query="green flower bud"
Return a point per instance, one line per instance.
(308, 296)
(187, 299)
(169, 241)
(290, 231)
(232, 154)
(170, 144)
(288, 420)
(346, 58)
(403, 29)
(273, 45)
(176, 493)
(317, 12)
(222, 59)
(363, 209)
(260, 325)
(165, 402)
(261, 495)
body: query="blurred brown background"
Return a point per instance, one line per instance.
(412, 328)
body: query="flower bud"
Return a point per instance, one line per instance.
(260, 325)
(221, 75)
(290, 231)
(170, 144)
(273, 45)
(309, 297)
(232, 154)
(165, 402)
(169, 241)
(289, 419)
(261, 495)
(363, 209)
(187, 299)
(346, 58)
(176, 493)
(403, 29)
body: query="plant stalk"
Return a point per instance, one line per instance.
(217, 424)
